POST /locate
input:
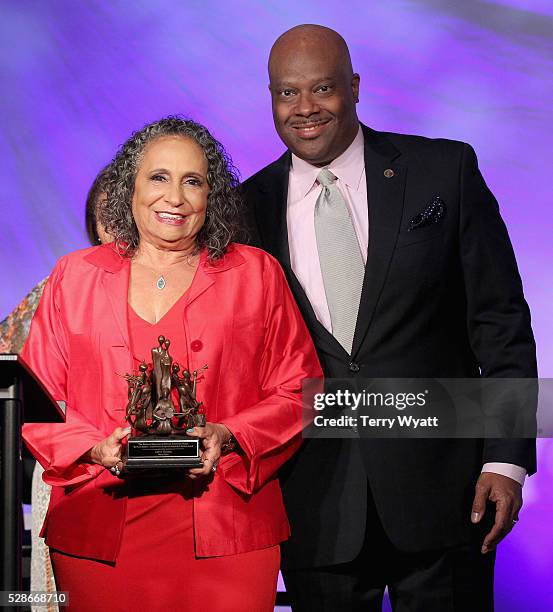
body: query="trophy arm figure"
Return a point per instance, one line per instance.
(132, 392)
(195, 379)
(147, 403)
(186, 401)
(144, 410)
(175, 380)
(187, 393)
(135, 391)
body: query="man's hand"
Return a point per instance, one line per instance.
(506, 494)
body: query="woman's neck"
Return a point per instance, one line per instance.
(155, 257)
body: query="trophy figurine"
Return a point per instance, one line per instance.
(158, 437)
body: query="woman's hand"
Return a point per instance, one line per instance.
(212, 437)
(108, 451)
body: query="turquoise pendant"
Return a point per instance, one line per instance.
(161, 283)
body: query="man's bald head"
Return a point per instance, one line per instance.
(310, 38)
(314, 91)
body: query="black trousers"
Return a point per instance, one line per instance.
(457, 579)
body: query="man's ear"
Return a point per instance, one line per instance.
(355, 79)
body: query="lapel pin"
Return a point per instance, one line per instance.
(388, 173)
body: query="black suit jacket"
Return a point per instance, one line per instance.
(445, 301)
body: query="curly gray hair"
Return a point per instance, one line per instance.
(223, 220)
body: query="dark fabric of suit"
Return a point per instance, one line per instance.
(453, 579)
(444, 300)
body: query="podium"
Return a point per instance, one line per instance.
(23, 398)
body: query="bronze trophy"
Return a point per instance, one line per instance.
(158, 437)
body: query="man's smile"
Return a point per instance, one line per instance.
(310, 129)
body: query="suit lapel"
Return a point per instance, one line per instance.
(385, 194)
(271, 219)
(271, 214)
(322, 337)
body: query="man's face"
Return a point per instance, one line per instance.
(313, 100)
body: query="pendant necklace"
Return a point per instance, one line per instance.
(161, 282)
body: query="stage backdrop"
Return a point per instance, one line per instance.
(78, 77)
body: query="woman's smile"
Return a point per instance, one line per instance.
(170, 218)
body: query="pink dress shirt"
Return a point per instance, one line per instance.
(303, 191)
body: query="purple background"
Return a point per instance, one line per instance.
(78, 77)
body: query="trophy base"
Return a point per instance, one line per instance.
(161, 453)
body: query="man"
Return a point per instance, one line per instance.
(402, 267)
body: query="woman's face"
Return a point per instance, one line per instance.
(170, 193)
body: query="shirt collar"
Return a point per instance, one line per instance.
(347, 167)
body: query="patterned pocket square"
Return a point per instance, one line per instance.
(433, 213)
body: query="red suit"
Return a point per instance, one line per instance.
(240, 320)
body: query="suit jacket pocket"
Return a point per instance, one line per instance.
(421, 263)
(423, 234)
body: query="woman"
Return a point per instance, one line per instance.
(208, 539)
(14, 330)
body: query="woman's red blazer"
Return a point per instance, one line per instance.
(241, 320)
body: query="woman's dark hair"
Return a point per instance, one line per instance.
(223, 216)
(96, 190)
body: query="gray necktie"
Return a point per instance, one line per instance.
(340, 258)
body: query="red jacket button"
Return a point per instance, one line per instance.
(197, 345)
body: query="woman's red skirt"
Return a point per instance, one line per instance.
(156, 568)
